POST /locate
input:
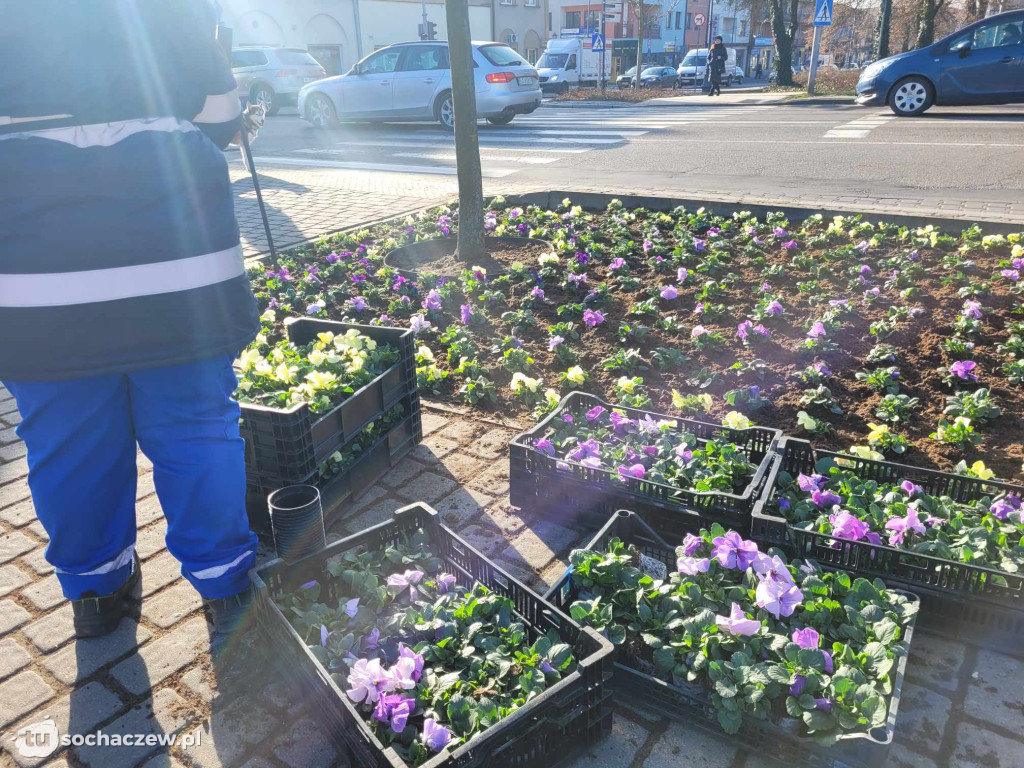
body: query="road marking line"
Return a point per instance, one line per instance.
(432, 170)
(489, 158)
(839, 143)
(412, 145)
(846, 134)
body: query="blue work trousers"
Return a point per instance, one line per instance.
(81, 437)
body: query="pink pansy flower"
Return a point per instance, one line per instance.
(736, 623)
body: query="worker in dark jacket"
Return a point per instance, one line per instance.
(717, 57)
(123, 295)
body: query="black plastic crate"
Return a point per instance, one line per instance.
(571, 715)
(690, 703)
(286, 445)
(958, 600)
(337, 491)
(590, 496)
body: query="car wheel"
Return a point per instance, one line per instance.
(320, 111)
(262, 93)
(503, 119)
(446, 111)
(911, 96)
(564, 88)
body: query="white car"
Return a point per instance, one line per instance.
(413, 81)
(734, 76)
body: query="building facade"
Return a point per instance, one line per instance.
(338, 33)
(521, 25)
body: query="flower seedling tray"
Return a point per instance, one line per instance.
(571, 715)
(690, 702)
(336, 491)
(286, 445)
(971, 603)
(590, 496)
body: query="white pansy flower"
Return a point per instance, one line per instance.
(321, 379)
(248, 360)
(286, 373)
(316, 357)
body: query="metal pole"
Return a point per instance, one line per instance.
(423, 7)
(603, 41)
(814, 61)
(247, 152)
(710, 23)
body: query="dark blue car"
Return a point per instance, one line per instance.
(980, 64)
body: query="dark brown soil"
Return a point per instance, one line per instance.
(501, 254)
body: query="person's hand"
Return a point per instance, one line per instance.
(253, 118)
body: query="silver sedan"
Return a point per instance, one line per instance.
(412, 81)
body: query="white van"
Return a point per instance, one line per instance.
(692, 67)
(567, 63)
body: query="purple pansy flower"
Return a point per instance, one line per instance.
(691, 544)
(806, 638)
(846, 526)
(635, 471)
(595, 413)
(352, 607)
(394, 708)
(780, 233)
(309, 584)
(433, 300)
(901, 526)
(435, 735)
(811, 483)
(592, 317)
(324, 634)
(736, 623)
(545, 447)
(367, 680)
(733, 552)
(619, 422)
(790, 244)
(817, 330)
(681, 274)
(743, 329)
(698, 244)
(537, 292)
(698, 331)
(964, 369)
(669, 292)
(691, 566)
(445, 582)
(909, 488)
(797, 687)
(774, 308)
(972, 309)
(825, 499)
(823, 705)
(617, 263)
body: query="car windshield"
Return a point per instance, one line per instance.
(553, 60)
(293, 57)
(651, 71)
(695, 60)
(501, 55)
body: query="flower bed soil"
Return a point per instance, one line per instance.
(499, 256)
(605, 235)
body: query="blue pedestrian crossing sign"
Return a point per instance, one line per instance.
(823, 13)
(597, 43)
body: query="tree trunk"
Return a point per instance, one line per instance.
(639, 45)
(783, 63)
(927, 10)
(882, 33)
(467, 145)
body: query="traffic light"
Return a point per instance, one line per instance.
(431, 31)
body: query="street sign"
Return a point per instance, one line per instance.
(823, 13)
(699, 19)
(597, 43)
(762, 42)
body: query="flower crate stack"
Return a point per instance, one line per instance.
(589, 458)
(338, 426)
(415, 650)
(792, 661)
(955, 540)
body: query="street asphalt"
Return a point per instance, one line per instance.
(748, 146)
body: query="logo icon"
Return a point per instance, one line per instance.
(38, 740)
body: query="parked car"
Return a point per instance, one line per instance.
(693, 67)
(734, 76)
(412, 81)
(658, 77)
(273, 76)
(982, 63)
(625, 80)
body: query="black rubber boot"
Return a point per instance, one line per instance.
(98, 615)
(231, 615)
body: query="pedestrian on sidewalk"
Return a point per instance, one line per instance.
(758, 70)
(717, 57)
(123, 293)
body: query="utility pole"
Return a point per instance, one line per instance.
(423, 6)
(467, 143)
(814, 60)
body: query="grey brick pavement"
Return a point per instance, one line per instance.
(961, 707)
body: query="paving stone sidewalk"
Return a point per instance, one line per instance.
(961, 706)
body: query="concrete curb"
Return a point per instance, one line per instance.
(726, 207)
